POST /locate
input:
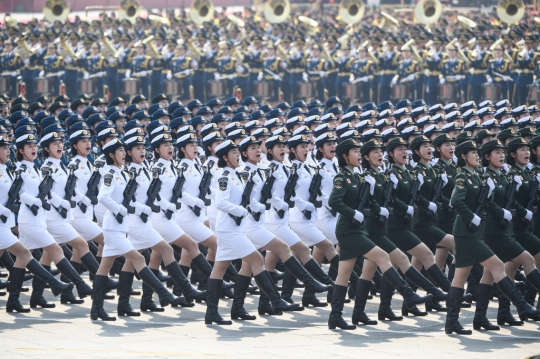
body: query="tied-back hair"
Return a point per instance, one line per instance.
(318, 154)
(342, 162)
(221, 162)
(109, 160)
(269, 156)
(509, 159)
(485, 161)
(461, 162)
(416, 157)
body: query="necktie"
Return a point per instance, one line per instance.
(307, 169)
(123, 175)
(9, 173)
(37, 170)
(146, 173)
(198, 168)
(335, 167)
(286, 171)
(239, 177)
(172, 169)
(63, 167)
(89, 165)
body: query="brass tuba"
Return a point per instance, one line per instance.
(351, 11)
(56, 10)
(510, 11)
(129, 10)
(277, 11)
(428, 11)
(201, 11)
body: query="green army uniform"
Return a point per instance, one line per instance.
(498, 237)
(424, 220)
(377, 230)
(470, 248)
(445, 214)
(351, 235)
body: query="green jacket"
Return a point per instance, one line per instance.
(402, 197)
(522, 198)
(492, 228)
(344, 200)
(444, 215)
(424, 217)
(373, 225)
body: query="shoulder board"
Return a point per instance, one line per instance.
(225, 173)
(211, 164)
(160, 164)
(48, 163)
(246, 169)
(322, 164)
(23, 167)
(111, 171)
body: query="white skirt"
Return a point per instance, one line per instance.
(86, 228)
(196, 230)
(212, 222)
(233, 245)
(283, 232)
(35, 236)
(62, 231)
(168, 229)
(143, 237)
(116, 244)
(99, 212)
(260, 237)
(308, 232)
(7, 238)
(328, 228)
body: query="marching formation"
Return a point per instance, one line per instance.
(237, 196)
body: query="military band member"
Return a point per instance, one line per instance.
(453, 71)
(526, 63)
(254, 59)
(479, 58)
(315, 73)
(433, 64)
(124, 59)
(10, 66)
(345, 67)
(53, 67)
(363, 72)
(500, 71)
(297, 61)
(408, 71)
(226, 70)
(96, 68)
(389, 62)
(331, 67)
(141, 67)
(182, 67)
(272, 71)
(71, 78)
(211, 58)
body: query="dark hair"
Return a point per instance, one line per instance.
(342, 162)
(318, 155)
(221, 162)
(436, 153)
(292, 156)
(180, 154)
(129, 159)
(416, 157)
(156, 154)
(269, 156)
(244, 158)
(533, 158)
(391, 158)
(207, 152)
(109, 160)
(19, 155)
(365, 163)
(485, 161)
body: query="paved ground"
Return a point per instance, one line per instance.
(68, 332)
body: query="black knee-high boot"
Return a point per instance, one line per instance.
(385, 310)
(509, 290)
(360, 299)
(9, 263)
(267, 286)
(336, 319)
(213, 293)
(100, 288)
(288, 285)
(453, 305)
(42, 277)
(177, 275)
(71, 274)
(411, 298)
(533, 282)
(165, 297)
(16, 277)
(265, 307)
(240, 290)
(124, 291)
(483, 295)
(405, 310)
(91, 263)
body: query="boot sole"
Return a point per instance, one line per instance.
(225, 322)
(109, 319)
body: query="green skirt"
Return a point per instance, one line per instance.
(403, 239)
(471, 250)
(529, 241)
(506, 248)
(353, 244)
(383, 242)
(430, 235)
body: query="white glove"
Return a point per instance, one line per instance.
(394, 81)
(169, 76)
(257, 207)
(442, 80)
(100, 74)
(277, 78)
(240, 69)
(147, 210)
(143, 73)
(5, 212)
(384, 212)
(294, 198)
(41, 73)
(410, 77)
(138, 207)
(128, 74)
(55, 176)
(110, 59)
(410, 210)
(476, 220)
(26, 61)
(351, 79)
(87, 75)
(322, 73)
(507, 215)
(61, 73)
(489, 80)
(432, 207)
(244, 212)
(65, 204)
(421, 180)
(172, 207)
(394, 180)
(259, 77)
(529, 215)
(310, 207)
(199, 203)
(491, 186)
(123, 211)
(305, 77)
(194, 63)
(371, 181)
(37, 202)
(519, 182)
(444, 178)
(359, 216)
(364, 79)
(14, 74)
(283, 65)
(139, 179)
(217, 76)
(86, 201)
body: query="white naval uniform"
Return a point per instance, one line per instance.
(305, 228)
(7, 238)
(99, 209)
(60, 228)
(211, 210)
(83, 221)
(327, 221)
(187, 219)
(168, 229)
(280, 226)
(32, 229)
(141, 235)
(232, 243)
(111, 196)
(256, 230)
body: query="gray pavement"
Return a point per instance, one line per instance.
(68, 332)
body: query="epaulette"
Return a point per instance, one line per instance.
(225, 173)
(246, 169)
(160, 164)
(322, 164)
(111, 171)
(49, 163)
